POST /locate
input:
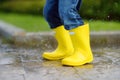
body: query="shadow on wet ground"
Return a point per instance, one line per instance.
(23, 63)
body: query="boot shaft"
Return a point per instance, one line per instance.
(80, 36)
(63, 38)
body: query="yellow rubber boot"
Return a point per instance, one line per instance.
(82, 52)
(64, 48)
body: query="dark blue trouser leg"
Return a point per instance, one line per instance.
(51, 13)
(68, 11)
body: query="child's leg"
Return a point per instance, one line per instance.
(51, 13)
(65, 47)
(79, 33)
(68, 11)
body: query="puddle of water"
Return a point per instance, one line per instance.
(6, 60)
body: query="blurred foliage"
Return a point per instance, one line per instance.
(90, 9)
(101, 9)
(23, 6)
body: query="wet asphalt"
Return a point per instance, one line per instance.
(26, 63)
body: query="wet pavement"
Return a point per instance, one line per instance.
(23, 63)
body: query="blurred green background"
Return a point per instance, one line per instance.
(27, 14)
